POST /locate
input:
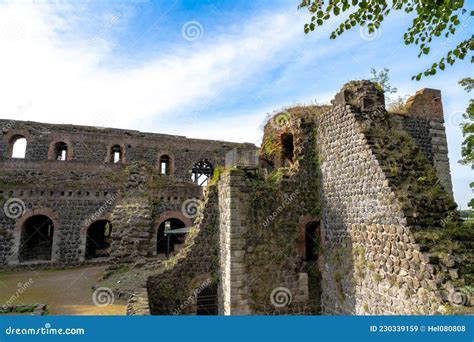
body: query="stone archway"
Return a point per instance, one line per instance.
(12, 136)
(35, 237)
(60, 149)
(309, 232)
(98, 239)
(176, 220)
(36, 242)
(86, 225)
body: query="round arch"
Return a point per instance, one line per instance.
(18, 230)
(171, 165)
(54, 144)
(83, 232)
(161, 219)
(12, 136)
(110, 153)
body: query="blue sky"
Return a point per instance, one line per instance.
(205, 69)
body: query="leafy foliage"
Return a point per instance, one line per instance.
(467, 149)
(382, 80)
(432, 19)
(398, 105)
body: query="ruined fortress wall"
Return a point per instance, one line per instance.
(90, 144)
(262, 272)
(174, 289)
(424, 121)
(372, 262)
(78, 191)
(52, 189)
(68, 212)
(262, 228)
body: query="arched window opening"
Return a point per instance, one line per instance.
(312, 241)
(207, 301)
(165, 165)
(99, 238)
(36, 239)
(18, 147)
(174, 239)
(116, 154)
(287, 147)
(61, 151)
(202, 172)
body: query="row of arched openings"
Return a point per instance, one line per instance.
(58, 151)
(36, 242)
(200, 173)
(38, 231)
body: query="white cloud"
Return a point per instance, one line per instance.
(64, 75)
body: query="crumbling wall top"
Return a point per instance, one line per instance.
(426, 103)
(363, 95)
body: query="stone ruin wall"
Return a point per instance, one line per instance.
(173, 289)
(370, 260)
(88, 186)
(424, 121)
(374, 264)
(254, 258)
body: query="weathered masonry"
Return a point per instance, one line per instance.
(344, 209)
(64, 191)
(348, 210)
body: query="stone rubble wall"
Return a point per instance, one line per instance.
(173, 289)
(232, 229)
(372, 263)
(424, 121)
(131, 220)
(92, 144)
(80, 189)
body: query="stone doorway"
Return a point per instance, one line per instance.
(36, 242)
(98, 239)
(175, 239)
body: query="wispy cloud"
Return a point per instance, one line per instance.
(66, 78)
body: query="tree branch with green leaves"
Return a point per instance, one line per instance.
(467, 148)
(435, 18)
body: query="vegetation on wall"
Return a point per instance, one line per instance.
(381, 79)
(272, 246)
(430, 211)
(416, 183)
(178, 279)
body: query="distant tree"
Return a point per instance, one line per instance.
(467, 214)
(467, 149)
(434, 18)
(382, 80)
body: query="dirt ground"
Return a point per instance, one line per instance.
(65, 292)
